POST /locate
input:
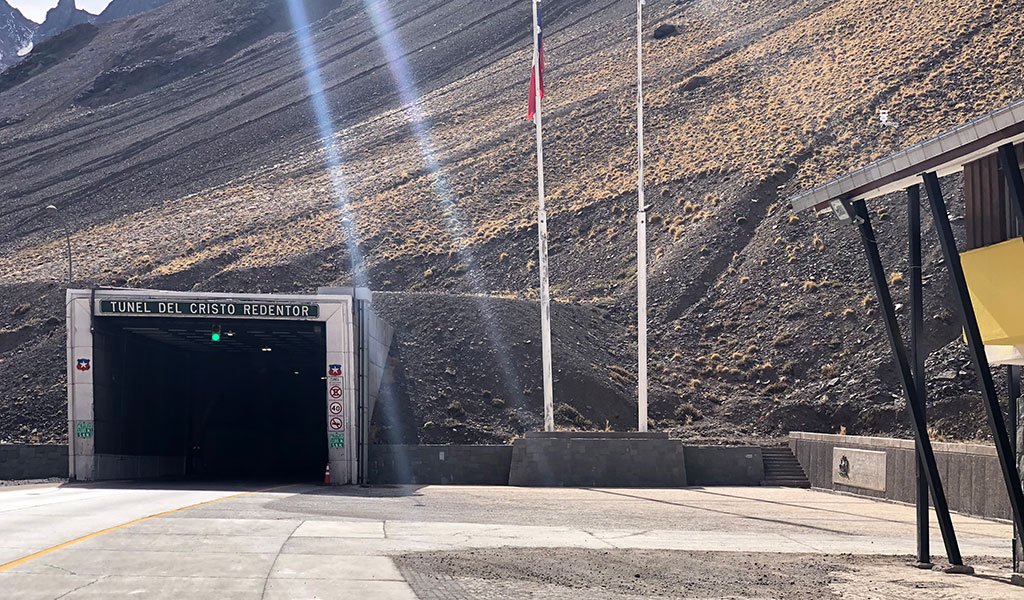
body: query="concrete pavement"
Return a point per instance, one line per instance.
(37, 517)
(312, 542)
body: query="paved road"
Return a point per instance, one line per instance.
(312, 542)
(36, 517)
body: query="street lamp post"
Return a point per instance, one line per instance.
(67, 238)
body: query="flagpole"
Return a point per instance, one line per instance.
(641, 230)
(542, 234)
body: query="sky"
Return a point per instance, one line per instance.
(36, 9)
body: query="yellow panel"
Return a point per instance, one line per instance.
(995, 278)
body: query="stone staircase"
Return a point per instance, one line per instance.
(781, 468)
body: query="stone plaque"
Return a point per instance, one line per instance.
(859, 468)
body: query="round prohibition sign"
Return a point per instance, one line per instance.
(335, 408)
(336, 423)
(335, 391)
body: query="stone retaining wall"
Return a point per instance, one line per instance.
(886, 468)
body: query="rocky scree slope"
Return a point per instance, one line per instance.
(182, 145)
(122, 9)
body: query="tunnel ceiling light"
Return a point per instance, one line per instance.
(268, 349)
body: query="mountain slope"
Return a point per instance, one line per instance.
(15, 34)
(183, 147)
(60, 18)
(121, 9)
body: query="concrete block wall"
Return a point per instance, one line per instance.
(33, 461)
(970, 473)
(452, 465)
(593, 461)
(602, 460)
(724, 465)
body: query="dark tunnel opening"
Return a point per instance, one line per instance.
(249, 406)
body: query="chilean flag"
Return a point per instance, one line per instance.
(537, 70)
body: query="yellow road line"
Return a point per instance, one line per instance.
(20, 561)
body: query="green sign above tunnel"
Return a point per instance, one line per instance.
(208, 308)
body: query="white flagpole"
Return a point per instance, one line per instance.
(641, 230)
(542, 237)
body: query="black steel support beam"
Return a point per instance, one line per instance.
(362, 392)
(1007, 459)
(923, 444)
(1013, 387)
(1014, 180)
(917, 356)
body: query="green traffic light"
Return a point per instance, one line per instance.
(215, 337)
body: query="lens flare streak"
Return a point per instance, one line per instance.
(384, 28)
(324, 122)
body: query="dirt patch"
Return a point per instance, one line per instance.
(627, 574)
(582, 573)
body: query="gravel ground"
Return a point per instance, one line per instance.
(627, 574)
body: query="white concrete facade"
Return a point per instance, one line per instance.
(335, 312)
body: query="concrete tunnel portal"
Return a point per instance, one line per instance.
(217, 386)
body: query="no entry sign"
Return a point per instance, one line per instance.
(336, 423)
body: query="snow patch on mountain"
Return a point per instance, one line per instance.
(15, 35)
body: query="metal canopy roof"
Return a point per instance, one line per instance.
(943, 155)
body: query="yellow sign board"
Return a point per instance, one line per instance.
(995, 278)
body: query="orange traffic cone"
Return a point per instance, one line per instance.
(327, 475)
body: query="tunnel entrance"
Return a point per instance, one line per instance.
(238, 399)
(225, 386)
